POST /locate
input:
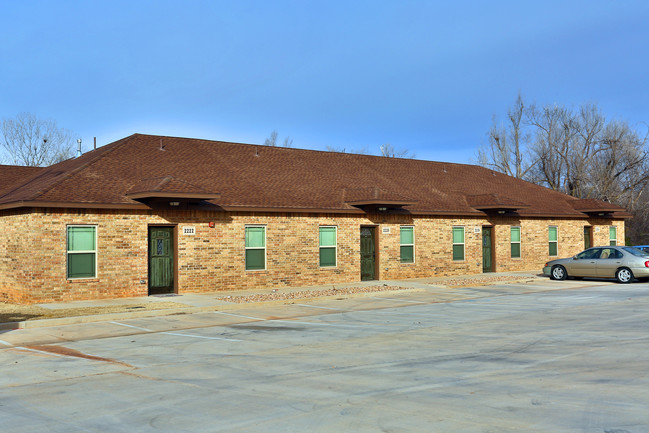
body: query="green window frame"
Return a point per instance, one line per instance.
(553, 241)
(515, 239)
(458, 244)
(407, 244)
(255, 248)
(612, 236)
(81, 251)
(328, 243)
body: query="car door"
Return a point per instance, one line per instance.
(584, 264)
(609, 262)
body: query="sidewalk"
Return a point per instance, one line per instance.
(120, 308)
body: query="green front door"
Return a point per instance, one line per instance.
(487, 265)
(587, 237)
(367, 253)
(161, 260)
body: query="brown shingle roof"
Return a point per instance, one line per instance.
(13, 175)
(277, 178)
(375, 195)
(168, 186)
(592, 206)
(494, 201)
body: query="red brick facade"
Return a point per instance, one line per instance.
(33, 254)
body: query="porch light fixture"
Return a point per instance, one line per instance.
(174, 203)
(383, 209)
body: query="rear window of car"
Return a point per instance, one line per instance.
(635, 252)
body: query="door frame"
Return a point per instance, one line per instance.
(588, 231)
(174, 241)
(491, 249)
(377, 268)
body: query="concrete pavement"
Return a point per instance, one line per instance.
(541, 356)
(439, 288)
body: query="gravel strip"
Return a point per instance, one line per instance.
(276, 295)
(282, 296)
(481, 281)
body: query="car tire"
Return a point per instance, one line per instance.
(558, 272)
(624, 275)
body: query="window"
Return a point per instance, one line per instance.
(328, 242)
(515, 236)
(612, 235)
(610, 253)
(255, 248)
(82, 252)
(458, 243)
(592, 253)
(407, 244)
(552, 241)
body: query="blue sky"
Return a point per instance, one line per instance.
(425, 76)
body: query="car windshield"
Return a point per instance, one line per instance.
(635, 252)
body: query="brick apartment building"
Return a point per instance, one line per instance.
(150, 214)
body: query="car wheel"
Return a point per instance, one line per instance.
(558, 273)
(624, 275)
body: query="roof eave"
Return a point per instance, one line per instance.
(276, 209)
(70, 205)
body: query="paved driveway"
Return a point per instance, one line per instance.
(513, 359)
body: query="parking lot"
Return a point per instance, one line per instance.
(545, 356)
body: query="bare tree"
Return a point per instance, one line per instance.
(588, 125)
(576, 152)
(620, 170)
(361, 151)
(272, 140)
(507, 149)
(28, 140)
(553, 146)
(386, 150)
(390, 151)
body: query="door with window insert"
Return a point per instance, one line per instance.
(161, 260)
(368, 253)
(487, 262)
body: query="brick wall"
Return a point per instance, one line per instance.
(33, 250)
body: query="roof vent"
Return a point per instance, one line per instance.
(79, 148)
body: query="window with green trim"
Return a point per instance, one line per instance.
(515, 236)
(458, 243)
(82, 252)
(407, 244)
(255, 248)
(553, 241)
(612, 235)
(328, 246)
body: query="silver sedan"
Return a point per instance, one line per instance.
(622, 263)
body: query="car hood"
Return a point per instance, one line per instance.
(559, 261)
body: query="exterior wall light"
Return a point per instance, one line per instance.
(174, 203)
